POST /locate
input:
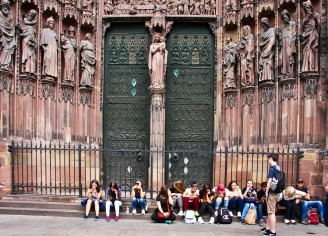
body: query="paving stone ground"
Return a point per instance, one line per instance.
(45, 225)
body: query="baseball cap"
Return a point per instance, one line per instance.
(300, 180)
(221, 188)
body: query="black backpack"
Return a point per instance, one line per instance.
(223, 216)
(278, 181)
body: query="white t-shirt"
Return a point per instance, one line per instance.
(188, 190)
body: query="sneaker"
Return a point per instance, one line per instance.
(293, 222)
(238, 214)
(216, 213)
(146, 207)
(261, 223)
(263, 230)
(168, 222)
(200, 220)
(269, 233)
(180, 213)
(230, 213)
(107, 218)
(96, 218)
(143, 212)
(287, 222)
(196, 213)
(184, 213)
(243, 222)
(117, 218)
(322, 221)
(305, 222)
(86, 217)
(211, 220)
(134, 211)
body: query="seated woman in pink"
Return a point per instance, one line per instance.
(191, 198)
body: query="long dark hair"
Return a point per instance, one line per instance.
(204, 191)
(114, 185)
(231, 182)
(96, 182)
(163, 193)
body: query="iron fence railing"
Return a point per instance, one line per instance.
(67, 169)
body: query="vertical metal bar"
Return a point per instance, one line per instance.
(36, 168)
(27, 156)
(22, 161)
(12, 167)
(50, 157)
(226, 165)
(298, 162)
(80, 181)
(41, 183)
(69, 170)
(242, 166)
(56, 169)
(31, 166)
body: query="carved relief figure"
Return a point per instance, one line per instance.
(7, 36)
(173, 7)
(29, 44)
(267, 47)
(49, 47)
(88, 61)
(310, 38)
(231, 4)
(157, 61)
(229, 62)
(68, 44)
(87, 5)
(109, 8)
(246, 54)
(287, 41)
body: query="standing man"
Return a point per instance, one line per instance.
(306, 203)
(272, 198)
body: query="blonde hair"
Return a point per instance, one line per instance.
(290, 191)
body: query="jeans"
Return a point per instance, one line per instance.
(194, 204)
(260, 208)
(138, 201)
(236, 201)
(117, 205)
(290, 208)
(218, 202)
(313, 204)
(246, 208)
(207, 206)
(177, 200)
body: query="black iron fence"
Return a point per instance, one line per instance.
(67, 169)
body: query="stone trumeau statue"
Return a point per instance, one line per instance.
(229, 62)
(287, 44)
(157, 61)
(310, 38)
(246, 54)
(68, 44)
(49, 47)
(88, 61)
(267, 50)
(7, 36)
(29, 44)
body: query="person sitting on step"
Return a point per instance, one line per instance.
(113, 194)
(191, 198)
(235, 197)
(249, 197)
(206, 199)
(138, 197)
(176, 193)
(94, 197)
(163, 213)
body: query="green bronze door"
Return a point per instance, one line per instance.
(189, 102)
(126, 104)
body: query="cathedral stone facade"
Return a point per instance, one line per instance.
(164, 74)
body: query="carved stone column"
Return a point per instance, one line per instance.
(66, 115)
(6, 83)
(83, 114)
(231, 117)
(249, 115)
(157, 137)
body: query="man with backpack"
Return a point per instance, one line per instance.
(275, 181)
(306, 203)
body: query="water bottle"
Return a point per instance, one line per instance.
(127, 210)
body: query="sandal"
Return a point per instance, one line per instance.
(305, 222)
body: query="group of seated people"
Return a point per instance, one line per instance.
(203, 199)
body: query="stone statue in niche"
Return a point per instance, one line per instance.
(68, 45)
(108, 8)
(157, 61)
(267, 49)
(87, 5)
(49, 47)
(7, 36)
(29, 44)
(88, 61)
(229, 62)
(231, 5)
(246, 55)
(310, 38)
(287, 44)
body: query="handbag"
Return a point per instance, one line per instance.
(250, 217)
(161, 215)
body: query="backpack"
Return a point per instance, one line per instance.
(190, 217)
(223, 216)
(313, 216)
(278, 181)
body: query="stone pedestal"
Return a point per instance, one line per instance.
(6, 83)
